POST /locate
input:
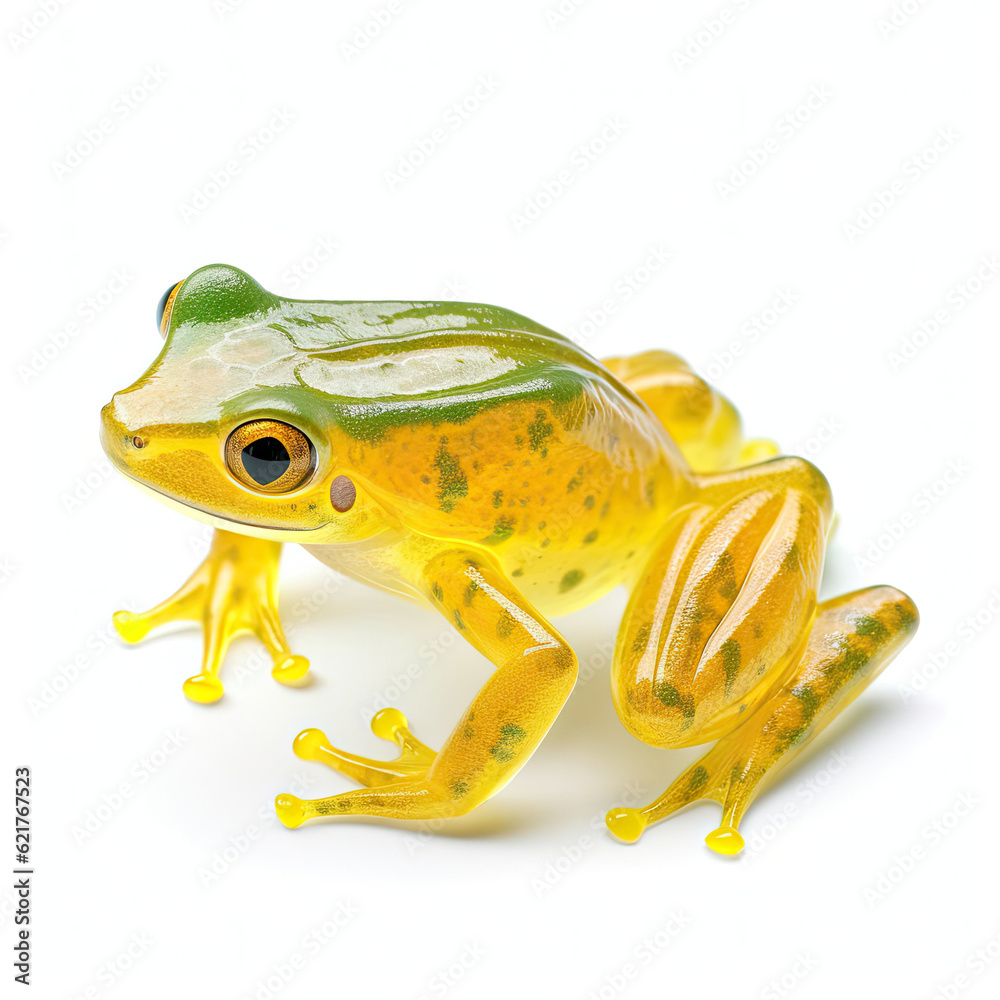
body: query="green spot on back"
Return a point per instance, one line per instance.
(590, 537)
(538, 431)
(452, 484)
(570, 580)
(502, 530)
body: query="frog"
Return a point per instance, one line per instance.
(466, 458)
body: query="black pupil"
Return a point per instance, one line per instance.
(265, 460)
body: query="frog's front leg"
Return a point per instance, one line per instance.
(234, 590)
(496, 735)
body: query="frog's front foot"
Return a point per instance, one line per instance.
(412, 764)
(234, 590)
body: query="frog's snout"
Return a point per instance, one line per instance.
(117, 439)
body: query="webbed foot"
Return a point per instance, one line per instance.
(235, 590)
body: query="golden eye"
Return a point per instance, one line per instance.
(269, 456)
(164, 306)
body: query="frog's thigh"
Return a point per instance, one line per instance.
(701, 420)
(506, 720)
(852, 639)
(723, 606)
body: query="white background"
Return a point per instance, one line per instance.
(819, 903)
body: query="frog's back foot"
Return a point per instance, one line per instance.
(852, 639)
(701, 420)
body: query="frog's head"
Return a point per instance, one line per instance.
(220, 425)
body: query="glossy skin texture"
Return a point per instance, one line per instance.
(463, 456)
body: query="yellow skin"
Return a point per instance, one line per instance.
(469, 459)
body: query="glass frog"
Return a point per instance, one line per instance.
(465, 457)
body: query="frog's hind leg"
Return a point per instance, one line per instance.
(723, 605)
(703, 422)
(852, 640)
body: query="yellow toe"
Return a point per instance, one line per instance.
(626, 824)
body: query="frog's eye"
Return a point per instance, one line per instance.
(164, 306)
(269, 456)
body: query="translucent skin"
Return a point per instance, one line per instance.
(469, 459)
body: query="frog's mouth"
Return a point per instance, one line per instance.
(226, 523)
